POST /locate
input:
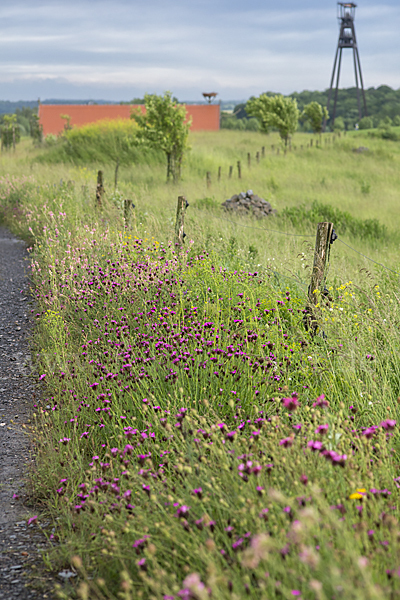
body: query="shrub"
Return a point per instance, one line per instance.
(103, 142)
(344, 222)
(366, 123)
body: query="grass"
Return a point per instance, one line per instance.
(194, 440)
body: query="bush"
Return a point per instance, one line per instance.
(344, 222)
(339, 124)
(366, 123)
(103, 142)
(242, 124)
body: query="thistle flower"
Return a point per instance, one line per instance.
(322, 429)
(291, 403)
(388, 424)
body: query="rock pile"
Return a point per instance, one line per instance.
(249, 203)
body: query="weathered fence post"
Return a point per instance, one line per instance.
(180, 218)
(263, 151)
(230, 172)
(208, 176)
(311, 143)
(128, 206)
(219, 173)
(249, 160)
(239, 168)
(257, 157)
(325, 236)
(99, 189)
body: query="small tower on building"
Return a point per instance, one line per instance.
(347, 39)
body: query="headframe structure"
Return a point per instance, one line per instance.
(347, 39)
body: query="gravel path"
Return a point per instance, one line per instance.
(21, 568)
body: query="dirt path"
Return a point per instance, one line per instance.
(21, 572)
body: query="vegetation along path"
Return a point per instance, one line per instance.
(20, 540)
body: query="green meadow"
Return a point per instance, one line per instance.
(194, 439)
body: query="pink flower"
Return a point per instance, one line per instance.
(369, 432)
(320, 401)
(32, 520)
(291, 403)
(287, 442)
(322, 429)
(388, 424)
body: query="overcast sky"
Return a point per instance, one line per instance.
(120, 49)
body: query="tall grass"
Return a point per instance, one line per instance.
(195, 441)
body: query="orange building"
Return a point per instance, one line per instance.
(205, 117)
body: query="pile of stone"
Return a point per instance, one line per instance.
(247, 203)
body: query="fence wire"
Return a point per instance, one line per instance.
(368, 258)
(306, 235)
(303, 236)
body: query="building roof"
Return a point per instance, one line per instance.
(204, 117)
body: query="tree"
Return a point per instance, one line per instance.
(36, 129)
(10, 132)
(163, 126)
(315, 114)
(275, 111)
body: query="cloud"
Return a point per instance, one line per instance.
(124, 49)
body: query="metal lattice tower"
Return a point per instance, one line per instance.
(347, 39)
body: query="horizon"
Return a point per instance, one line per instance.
(183, 101)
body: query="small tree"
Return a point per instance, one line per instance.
(36, 129)
(10, 132)
(67, 122)
(275, 111)
(315, 114)
(163, 126)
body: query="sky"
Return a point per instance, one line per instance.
(120, 49)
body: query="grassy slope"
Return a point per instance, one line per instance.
(361, 325)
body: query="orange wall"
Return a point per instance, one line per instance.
(205, 117)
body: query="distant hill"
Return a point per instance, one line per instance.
(9, 107)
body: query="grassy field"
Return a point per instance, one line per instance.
(194, 440)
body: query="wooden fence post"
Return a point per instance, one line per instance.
(321, 254)
(263, 151)
(180, 218)
(311, 143)
(219, 173)
(249, 160)
(208, 179)
(239, 168)
(128, 206)
(257, 157)
(99, 189)
(230, 172)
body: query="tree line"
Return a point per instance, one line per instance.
(383, 103)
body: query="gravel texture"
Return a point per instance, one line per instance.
(22, 573)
